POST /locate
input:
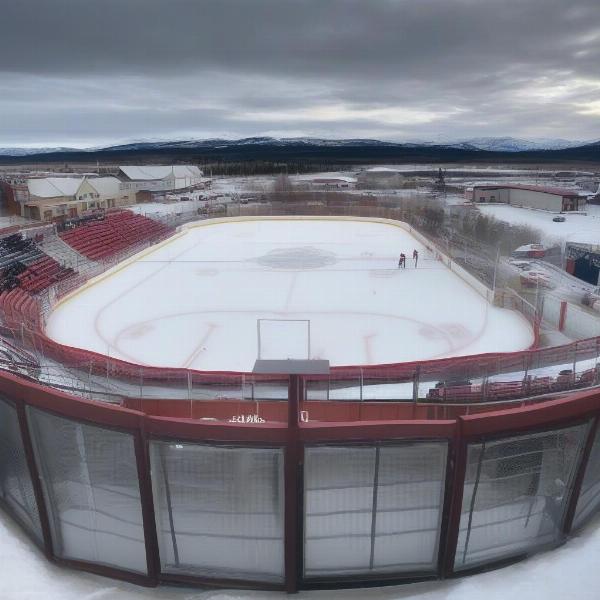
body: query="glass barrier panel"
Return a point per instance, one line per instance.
(317, 388)
(464, 391)
(345, 390)
(373, 509)
(587, 368)
(219, 510)
(215, 386)
(161, 386)
(589, 496)
(505, 386)
(410, 498)
(16, 488)
(91, 486)
(388, 387)
(515, 494)
(338, 507)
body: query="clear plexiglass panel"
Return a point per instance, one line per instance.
(90, 481)
(515, 494)
(219, 510)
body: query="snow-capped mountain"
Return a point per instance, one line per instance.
(489, 144)
(511, 144)
(28, 151)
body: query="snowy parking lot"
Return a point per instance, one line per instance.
(576, 227)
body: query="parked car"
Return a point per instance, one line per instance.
(559, 219)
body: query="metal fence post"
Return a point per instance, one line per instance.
(455, 483)
(292, 475)
(579, 476)
(35, 479)
(147, 503)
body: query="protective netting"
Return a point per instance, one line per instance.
(219, 510)
(16, 489)
(92, 493)
(373, 509)
(515, 494)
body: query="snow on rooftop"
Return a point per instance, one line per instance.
(528, 247)
(382, 170)
(343, 176)
(105, 186)
(154, 172)
(333, 179)
(53, 187)
(532, 188)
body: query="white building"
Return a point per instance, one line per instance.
(156, 180)
(48, 198)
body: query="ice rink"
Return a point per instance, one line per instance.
(195, 301)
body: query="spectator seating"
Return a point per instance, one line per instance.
(42, 274)
(119, 231)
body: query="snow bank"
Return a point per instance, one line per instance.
(566, 573)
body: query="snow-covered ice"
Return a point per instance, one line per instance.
(195, 300)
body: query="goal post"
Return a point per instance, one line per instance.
(281, 339)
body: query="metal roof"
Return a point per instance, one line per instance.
(53, 187)
(156, 172)
(532, 188)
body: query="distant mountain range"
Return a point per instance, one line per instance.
(367, 150)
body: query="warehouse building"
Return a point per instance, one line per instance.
(56, 198)
(543, 198)
(152, 182)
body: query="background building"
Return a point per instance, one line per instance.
(544, 198)
(152, 182)
(51, 198)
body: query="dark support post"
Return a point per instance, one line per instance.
(35, 479)
(148, 519)
(578, 481)
(293, 462)
(452, 521)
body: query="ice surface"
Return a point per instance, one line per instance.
(195, 301)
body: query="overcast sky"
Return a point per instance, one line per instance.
(91, 72)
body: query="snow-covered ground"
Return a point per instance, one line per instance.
(153, 209)
(195, 301)
(566, 573)
(11, 220)
(575, 227)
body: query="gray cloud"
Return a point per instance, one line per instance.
(95, 71)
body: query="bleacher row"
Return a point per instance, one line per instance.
(19, 310)
(42, 274)
(118, 231)
(26, 271)
(509, 390)
(16, 253)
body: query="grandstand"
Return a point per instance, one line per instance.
(117, 232)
